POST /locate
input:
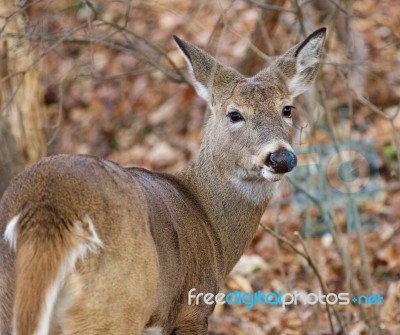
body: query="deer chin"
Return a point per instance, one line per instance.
(269, 175)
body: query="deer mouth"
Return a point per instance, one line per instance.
(261, 174)
(258, 173)
(270, 175)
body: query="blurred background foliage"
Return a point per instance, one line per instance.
(104, 78)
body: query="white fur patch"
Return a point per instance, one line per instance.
(256, 192)
(269, 175)
(52, 294)
(10, 234)
(297, 86)
(93, 241)
(201, 90)
(152, 331)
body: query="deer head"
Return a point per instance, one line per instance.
(249, 133)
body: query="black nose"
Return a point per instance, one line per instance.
(281, 161)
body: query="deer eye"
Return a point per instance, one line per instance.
(235, 116)
(287, 111)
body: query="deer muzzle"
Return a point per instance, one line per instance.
(281, 161)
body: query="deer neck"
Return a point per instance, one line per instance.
(232, 215)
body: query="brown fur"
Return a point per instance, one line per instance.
(161, 234)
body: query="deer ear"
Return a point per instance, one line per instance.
(201, 66)
(300, 64)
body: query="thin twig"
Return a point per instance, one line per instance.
(306, 255)
(299, 13)
(323, 287)
(284, 240)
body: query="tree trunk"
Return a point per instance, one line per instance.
(22, 118)
(252, 62)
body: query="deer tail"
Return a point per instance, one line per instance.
(47, 249)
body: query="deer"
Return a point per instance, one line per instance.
(89, 247)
